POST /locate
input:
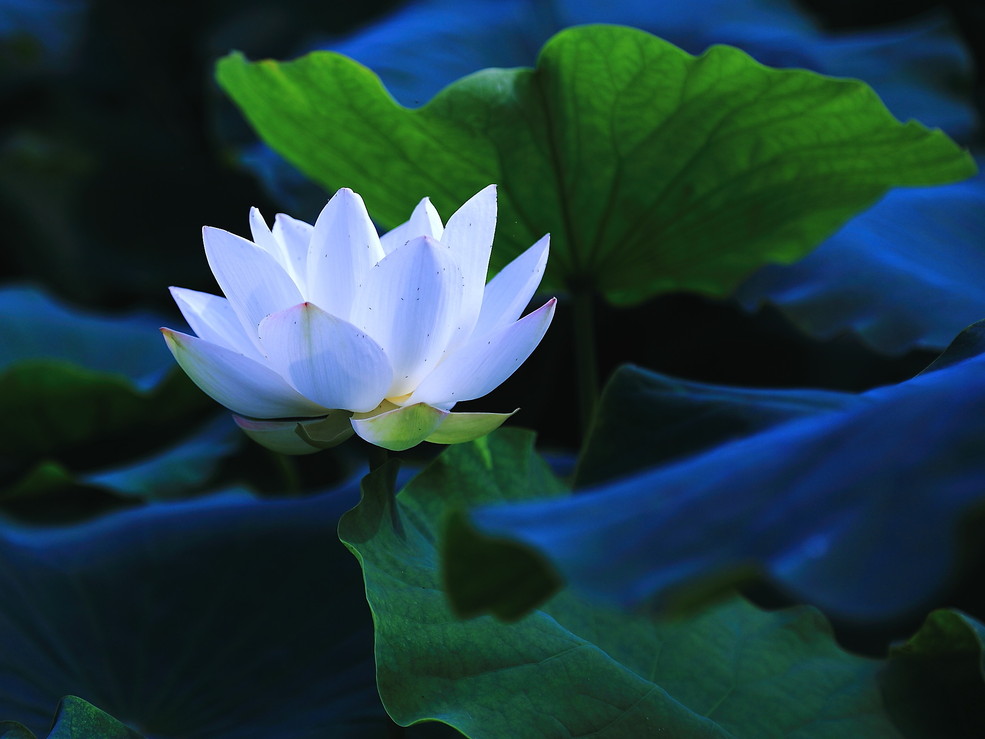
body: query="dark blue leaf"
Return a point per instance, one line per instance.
(646, 419)
(854, 510)
(37, 326)
(226, 617)
(909, 272)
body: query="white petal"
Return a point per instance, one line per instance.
(298, 437)
(251, 279)
(327, 359)
(461, 427)
(343, 247)
(410, 304)
(424, 221)
(294, 236)
(399, 429)
(262, 236)
(510, 291)
(483, 364)
(212, 318)
(242, 385)
(469, 237)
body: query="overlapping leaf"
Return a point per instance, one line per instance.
(909, 272)
(223, 617)
(80, 393)
(855, 509)
(570, 668)
(652, 170)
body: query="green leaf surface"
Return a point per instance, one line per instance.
(77, 719)
(935, 682)
(571, 668)
(74, 719)
(652, 170)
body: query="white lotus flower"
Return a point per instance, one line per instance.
(330, 329)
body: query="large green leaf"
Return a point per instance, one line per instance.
(652, 169)
(573, 669)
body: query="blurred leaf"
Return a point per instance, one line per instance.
(572, 668)
(651, 169)
(81, 392)
(48, 405)
(935, 682)
(645, 419)
(908, 273)
(36, 325)
(854, 510)
(175, 471)
(222, 617)
(14, 730)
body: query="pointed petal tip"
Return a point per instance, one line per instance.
(457, 428)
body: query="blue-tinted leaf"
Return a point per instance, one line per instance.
(855, 510)
(93, 388)
(40, 34)
(37, 326)
(646, 419)
(909, 272)
(175, 471)
(225, 617)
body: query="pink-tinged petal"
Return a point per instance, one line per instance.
(424, 221)
(241, 384)
(469, 237)
(327, 359)
(509, 292)
(461, 427)
(410, 304)
(212, 318)
(483, 364)
(294, 236)
(252, 280)
(343, 247)
(298, 437)
(399, 429)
